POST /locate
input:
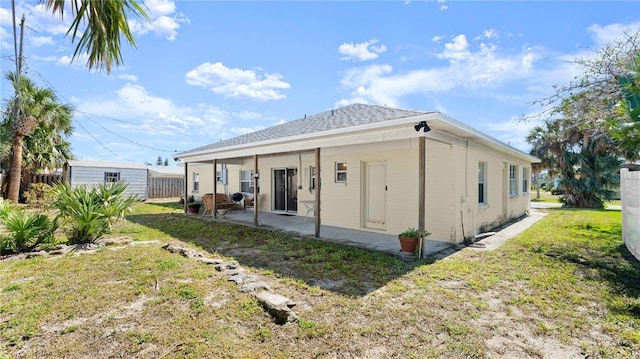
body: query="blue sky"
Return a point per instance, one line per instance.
(208, 70)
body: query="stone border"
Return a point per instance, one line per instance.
(278, 306)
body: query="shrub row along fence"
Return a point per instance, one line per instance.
(630, 191)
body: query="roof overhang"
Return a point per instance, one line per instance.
(383, 131)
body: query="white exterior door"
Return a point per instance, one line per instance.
(375, 195)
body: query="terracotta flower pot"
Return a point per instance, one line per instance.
(408, 244)
(193, 208)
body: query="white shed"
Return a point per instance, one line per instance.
(93, 173)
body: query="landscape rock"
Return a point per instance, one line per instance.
(35, 254)
(242, 278)
(254, 286)
(121, 241)
(183, 250)
(210, 260)
(226, 266)
(279, 307)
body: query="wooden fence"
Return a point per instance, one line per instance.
(160, 187)
(49, 179)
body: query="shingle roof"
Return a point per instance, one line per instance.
(348, 116)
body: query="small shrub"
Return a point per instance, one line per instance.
(24, 230)
(40, 195)
(89, 213)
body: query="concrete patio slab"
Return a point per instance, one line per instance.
(299, 227)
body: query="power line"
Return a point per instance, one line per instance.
(106, 129)
(126, 139)
(145, 126)
(101, 144)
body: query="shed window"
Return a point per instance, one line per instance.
(482, 183)
(513, 180)
(196, 181)
(111, 177)
(341, 172)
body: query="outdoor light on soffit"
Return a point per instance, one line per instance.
(422, 124)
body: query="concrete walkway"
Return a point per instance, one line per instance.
(378, 241)
(496, 240)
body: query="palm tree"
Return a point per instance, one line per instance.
(584, 157)
(39, 108)
(106, 21)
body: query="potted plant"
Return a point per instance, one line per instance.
(409, 240)
(192, 205)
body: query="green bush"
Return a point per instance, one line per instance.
(24, 230)
(89, 213)
(39, 195)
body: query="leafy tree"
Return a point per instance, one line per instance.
(166, 161)
(40, 112)
(159, 161)
(627, 128)
(596, 91)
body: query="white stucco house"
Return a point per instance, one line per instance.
(371, 168)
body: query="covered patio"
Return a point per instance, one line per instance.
(305, 228)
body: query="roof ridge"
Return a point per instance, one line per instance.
(351, 115)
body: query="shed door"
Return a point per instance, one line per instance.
(375, 195)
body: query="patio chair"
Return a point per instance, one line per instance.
(207, 200)
(223, 202)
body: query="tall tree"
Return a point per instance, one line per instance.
(584, 157)
(39, 109)
(159, 161)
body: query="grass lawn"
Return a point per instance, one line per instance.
(565, 288)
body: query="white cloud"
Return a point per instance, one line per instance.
(487, 34)
(237, 83)
(456, 50)
(512, 132)
(128, 77)
(164, 21)
(603, 35)
(361, 52)
(248, 115)
(140, 112)
(38, 41)
(469, 67)
(79, 62)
